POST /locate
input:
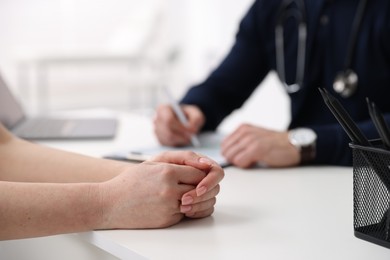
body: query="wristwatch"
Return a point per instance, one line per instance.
(304, 139)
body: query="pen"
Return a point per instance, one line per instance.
(344, 119)
(180, 115)
(357, 137)
(379, 122)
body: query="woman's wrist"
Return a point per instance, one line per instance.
(102, 198)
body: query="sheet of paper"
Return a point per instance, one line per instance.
(210, 146)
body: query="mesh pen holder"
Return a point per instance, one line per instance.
(371, 193)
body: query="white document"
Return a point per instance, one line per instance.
(210, 146)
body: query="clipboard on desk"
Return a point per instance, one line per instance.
(210, 146)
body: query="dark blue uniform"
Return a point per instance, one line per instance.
(328, 29)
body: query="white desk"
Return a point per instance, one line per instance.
(302, 213)
(299, 213)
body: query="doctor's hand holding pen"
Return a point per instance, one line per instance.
(170, 128)
(245, 147)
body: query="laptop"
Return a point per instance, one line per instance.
(13, 117)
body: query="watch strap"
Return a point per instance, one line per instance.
(308, 153)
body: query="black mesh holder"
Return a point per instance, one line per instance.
(371, 193)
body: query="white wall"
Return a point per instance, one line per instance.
(200, 32)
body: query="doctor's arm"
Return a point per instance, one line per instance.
(240, 72)
(225, 89)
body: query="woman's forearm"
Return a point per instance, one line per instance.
(24, 161)
(35, 209)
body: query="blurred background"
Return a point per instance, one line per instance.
(68, 54)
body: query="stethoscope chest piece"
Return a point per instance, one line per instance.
(345, 83)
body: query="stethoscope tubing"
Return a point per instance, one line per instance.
(298, 13)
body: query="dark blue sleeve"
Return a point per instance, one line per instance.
(332, 143)
(227, 88)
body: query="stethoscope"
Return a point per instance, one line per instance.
(346, 81)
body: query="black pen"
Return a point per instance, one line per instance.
(344, 119)
(376, 163)
(380, 123)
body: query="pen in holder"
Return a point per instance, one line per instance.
(371, 173)
(371, 195)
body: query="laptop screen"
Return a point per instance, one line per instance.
(11, 111)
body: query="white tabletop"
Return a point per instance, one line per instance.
(298, 213)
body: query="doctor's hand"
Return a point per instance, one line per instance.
(170, 131)
(249, 145)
